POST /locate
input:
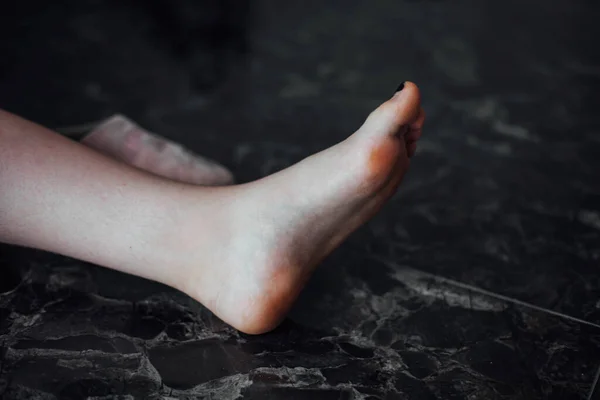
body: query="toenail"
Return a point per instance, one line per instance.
(400, 87)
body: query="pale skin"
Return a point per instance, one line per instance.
(244, 251)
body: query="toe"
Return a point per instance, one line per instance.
(415, 128)
(385, 133)
(419, 121)
(393, 116)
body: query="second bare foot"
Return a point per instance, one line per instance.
(120, 138)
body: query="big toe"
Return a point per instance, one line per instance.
(395, 116)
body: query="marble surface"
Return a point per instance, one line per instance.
(391, 333)
(480, 279)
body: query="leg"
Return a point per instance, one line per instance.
(60, 196)
(243, 251)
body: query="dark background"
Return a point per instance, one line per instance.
(480, 279)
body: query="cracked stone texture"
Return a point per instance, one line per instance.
(480, 279)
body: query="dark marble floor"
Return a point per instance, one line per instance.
(480, 279)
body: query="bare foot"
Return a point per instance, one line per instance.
(250, 270)
(122, 139)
